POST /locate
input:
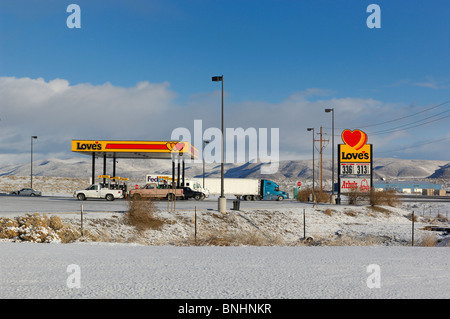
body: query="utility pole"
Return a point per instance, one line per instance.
(321, 157)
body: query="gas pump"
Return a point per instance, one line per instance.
(119, 183)
(106, 181)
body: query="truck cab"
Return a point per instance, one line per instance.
(271, 191)
(197, 187)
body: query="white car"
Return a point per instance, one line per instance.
(27, 192)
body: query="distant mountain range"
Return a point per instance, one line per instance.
(288, 170)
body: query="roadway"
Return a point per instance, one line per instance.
(18, 205)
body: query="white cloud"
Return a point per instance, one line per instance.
(58, 112)
(432, 84)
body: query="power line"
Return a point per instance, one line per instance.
(408, 125)
(411, 115)
(415, 145)
(400, 118)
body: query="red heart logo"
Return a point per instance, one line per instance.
(172, 146)
(355, 139)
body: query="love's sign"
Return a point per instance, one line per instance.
(355, 147)
(355, 162)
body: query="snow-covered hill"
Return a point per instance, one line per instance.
(299, 169)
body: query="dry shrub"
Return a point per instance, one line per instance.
(55, 222)
(428, 241)
(68, 234)
(385, 197)
(241, 238)
(368, 240)
(9, 228)
(373, 197)
(37, 228)
(379, 210)
(356, 197)
(305, 194)
(141, 215)
(328, 212)
(350, 213)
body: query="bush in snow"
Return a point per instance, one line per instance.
(37, 228)
(141, 215)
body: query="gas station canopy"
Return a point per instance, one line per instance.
(135, 149)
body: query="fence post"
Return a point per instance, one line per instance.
(304, 224)
(82, 220)
(195, 223)
(412, 242)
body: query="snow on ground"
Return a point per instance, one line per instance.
(135, 271)
(267, 256)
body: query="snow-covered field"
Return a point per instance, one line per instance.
(352, 252)
(135, 271)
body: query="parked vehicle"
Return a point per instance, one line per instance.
(246, 188)
(153, 190)
(189, 193)
(99, 191)
(27, 192)
(196, 186)
(166, 180)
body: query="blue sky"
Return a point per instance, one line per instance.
(283, 62)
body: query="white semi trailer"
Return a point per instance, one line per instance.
(245, 188)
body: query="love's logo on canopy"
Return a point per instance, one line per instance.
(176, 147)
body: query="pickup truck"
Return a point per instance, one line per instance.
(153, 190)
(98, 191)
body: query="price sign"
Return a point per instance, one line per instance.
(355, 169)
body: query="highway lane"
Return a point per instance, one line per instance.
(19, 205)
(56, 204)
(61, 204)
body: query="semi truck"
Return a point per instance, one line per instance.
(246, 188)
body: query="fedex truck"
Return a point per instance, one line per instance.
(245, 188)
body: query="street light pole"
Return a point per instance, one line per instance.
(332, 150)
(31, 174)
(314, 190)
(203, 153)
(222, 199)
